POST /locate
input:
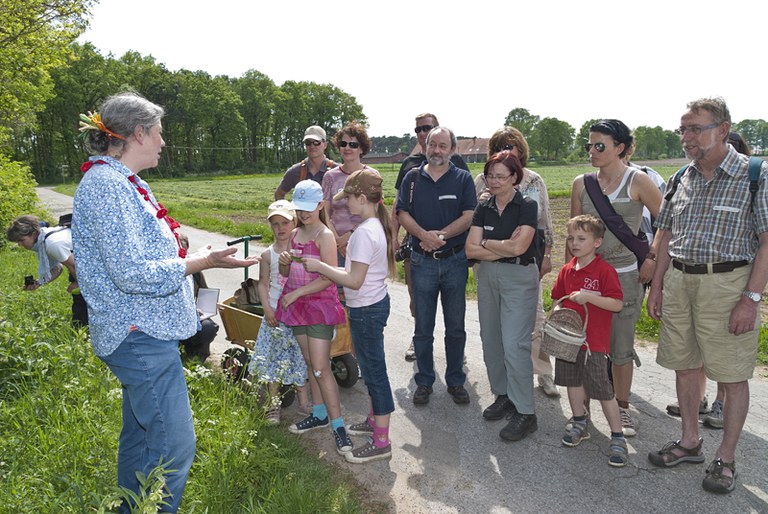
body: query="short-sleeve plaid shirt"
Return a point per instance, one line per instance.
(714, 221)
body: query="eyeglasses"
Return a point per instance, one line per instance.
(695, 129)
(497, 149)
(500, 178)
(423, 128)
(351, 144)
(312, 142)
(600, 147)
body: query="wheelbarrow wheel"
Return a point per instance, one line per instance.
(345, 369)
(287, 395)
(234, 363)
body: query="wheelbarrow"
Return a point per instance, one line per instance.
(242, 323)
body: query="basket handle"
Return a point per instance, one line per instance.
(561, 300)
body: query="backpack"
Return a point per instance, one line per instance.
(303, 173)
(755, 165)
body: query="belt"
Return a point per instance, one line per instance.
(517, 260)
(702, 269)
(440, 254)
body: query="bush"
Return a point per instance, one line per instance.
(17, 193)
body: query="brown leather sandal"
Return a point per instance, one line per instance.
(667, 458)
(716, 481)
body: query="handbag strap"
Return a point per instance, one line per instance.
(613, 220)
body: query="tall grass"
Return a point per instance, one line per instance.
(60, 421)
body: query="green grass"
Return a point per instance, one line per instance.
(60, 412)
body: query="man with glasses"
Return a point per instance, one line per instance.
(424, 123)
(707, 288)
(312, 168)
(435, 205)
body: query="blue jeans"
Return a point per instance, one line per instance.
(157, 419)
(448, 278)
(366, 325)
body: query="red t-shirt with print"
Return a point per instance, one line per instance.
(598, 277)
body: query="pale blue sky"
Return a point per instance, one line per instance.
(473, 61)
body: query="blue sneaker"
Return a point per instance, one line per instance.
(307, 424)
(343, 442)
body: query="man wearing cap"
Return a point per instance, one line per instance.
(424, 123)
(312, 168)
(435, 205)
(707, 287)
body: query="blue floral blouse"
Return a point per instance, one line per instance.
(127, 262)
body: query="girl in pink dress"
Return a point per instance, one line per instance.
(310, 305)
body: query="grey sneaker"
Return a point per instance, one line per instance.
(343, 442)
(362, 428)
(368, 453)
(410, 353)
(547, 384)
(673, 409)
(627, 423)
(714, 418)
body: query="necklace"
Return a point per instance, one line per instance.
(609, 184)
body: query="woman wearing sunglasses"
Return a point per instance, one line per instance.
(628, 190)
(352, 143)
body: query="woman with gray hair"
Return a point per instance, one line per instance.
(134, 274)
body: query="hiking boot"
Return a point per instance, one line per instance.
(362, 428)
(410, 353)
(343, 442)
(307, 424)
(547, 384)
(368, 453)
(519, 426)
(714, 418)
(421, 395)
(501, 407)
(460, 395)
(673, 409)
(627, 423)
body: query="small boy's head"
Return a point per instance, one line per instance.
(589, 226)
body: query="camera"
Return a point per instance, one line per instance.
(404, 252)
(29, 280)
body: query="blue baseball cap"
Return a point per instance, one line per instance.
(307, 195)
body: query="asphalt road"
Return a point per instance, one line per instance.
(447, 459)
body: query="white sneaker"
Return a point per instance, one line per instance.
(627, 423)
(714, 418)
(547, 384)
(410, 353)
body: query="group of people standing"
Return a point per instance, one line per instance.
(708, 262)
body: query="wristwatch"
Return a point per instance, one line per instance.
(755, 297)
(483, 242)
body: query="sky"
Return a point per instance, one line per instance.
(470, 63)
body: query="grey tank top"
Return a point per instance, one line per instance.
(612, 250)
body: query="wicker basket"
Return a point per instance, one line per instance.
(563, 332)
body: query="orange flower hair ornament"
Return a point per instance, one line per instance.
(92, 121)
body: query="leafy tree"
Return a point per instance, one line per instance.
(754, 132)
(34, 39)
(552, 138)
(522, 120)
(650, 142)
(257, 93)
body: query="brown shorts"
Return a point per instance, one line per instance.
(593, 375)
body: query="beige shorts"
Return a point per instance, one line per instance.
(694, 325)
(623, 322)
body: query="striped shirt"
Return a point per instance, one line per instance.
(714, 221)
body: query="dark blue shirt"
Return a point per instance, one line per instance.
(438, 204)
(501, 225)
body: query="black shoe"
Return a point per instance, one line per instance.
(460, 395)
(421, 395)
(500, 408)
(519, 426)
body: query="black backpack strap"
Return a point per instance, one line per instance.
(674, 181)
(755, 166)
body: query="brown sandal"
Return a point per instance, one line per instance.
(666, 457)
(716, 481)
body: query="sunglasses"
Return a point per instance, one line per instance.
(497, 149)
(351, 144)
(600, 147)
(423, 128)
(312, 142)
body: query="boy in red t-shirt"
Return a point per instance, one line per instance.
(588, 279)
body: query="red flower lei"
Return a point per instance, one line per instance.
(162, 212)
